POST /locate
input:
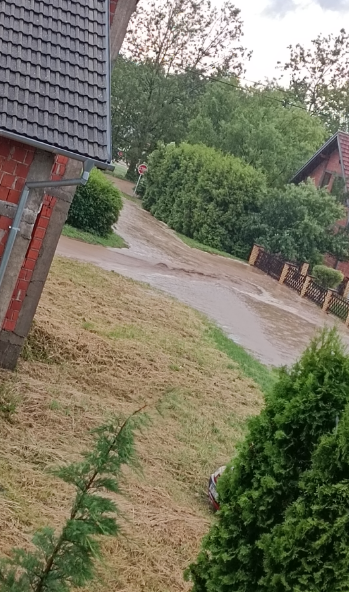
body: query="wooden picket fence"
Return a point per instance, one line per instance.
(296, 277)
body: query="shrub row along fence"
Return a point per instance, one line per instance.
(297, 278)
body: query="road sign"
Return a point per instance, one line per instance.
(142, 169)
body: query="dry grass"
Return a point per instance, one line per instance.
(102, 345)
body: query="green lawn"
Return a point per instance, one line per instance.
(196, 245)
(119, 171)
(113, 240)
(262, 375)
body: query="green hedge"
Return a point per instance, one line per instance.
(327, 277)
(204, 195)
(96, 206)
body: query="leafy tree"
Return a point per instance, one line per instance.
(309, 551)
(203, 194)
(169, 46)
(259, 126)
(298, 222)
(148, 106)
(268, 477)
(319, 78)
(182, 35)
(96, 206)
(66, 560)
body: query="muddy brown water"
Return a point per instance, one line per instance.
(269, 320)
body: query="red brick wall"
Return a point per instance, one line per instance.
(331, 164)
(343, 266)
(112, 8)
(15, 160)
(34, 248)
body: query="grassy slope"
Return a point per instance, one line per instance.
(113, 240)
(196, 245)
(103, 344)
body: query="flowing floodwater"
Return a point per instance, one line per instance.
(269, 320)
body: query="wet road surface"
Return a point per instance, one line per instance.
(269, 320)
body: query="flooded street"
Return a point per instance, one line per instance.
(269, 320)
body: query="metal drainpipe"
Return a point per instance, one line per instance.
(88, 165)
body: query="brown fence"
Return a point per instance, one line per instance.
(333, 301)
(270, 264)
(294, 279)
(339, 306)
(316, 293)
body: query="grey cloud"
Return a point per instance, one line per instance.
(282, 7)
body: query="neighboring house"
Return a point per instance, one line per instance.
(330, 163)
(54, 127)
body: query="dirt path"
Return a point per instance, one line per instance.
(269, 320)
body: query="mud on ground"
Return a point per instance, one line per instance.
(269, 320)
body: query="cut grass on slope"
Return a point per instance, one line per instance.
(101, 345)
(196, 245)
(113, 240)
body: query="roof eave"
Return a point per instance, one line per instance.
(55, 149)
(308, 163)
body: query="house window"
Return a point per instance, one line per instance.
(326, 179)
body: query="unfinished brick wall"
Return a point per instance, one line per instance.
(112, 8)
(15, 161)
(34, 248)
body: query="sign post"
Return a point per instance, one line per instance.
(142, 169)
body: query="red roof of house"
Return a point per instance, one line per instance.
(340, 142)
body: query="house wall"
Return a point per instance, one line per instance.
(42, 221)
(120, 14)
(332, 165)
(20, 291)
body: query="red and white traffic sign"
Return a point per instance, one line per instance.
(142, 169)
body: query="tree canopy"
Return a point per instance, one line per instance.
(298, 222)
(258, 126)
(182, 35)
(148, 106)
(319, 78)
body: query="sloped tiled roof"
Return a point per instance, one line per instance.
(340, 142)
(54, 74)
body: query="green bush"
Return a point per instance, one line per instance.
(203, 194)
(327, 277)
(268, 477)
(96, 206)
(298, 223)
(310, 550)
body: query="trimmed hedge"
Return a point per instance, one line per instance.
(204, 194)
(96, 206)
(327, 277)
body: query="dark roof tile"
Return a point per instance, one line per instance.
(54, 73)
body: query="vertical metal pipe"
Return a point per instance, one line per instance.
(13, 232)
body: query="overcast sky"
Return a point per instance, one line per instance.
(272, 25)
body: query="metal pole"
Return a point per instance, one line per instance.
(13, 232)
(135, 189)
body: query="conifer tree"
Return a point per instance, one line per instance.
(303, 406)
(65, 560)
(310, 550)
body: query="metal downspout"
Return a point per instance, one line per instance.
(88, 165)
